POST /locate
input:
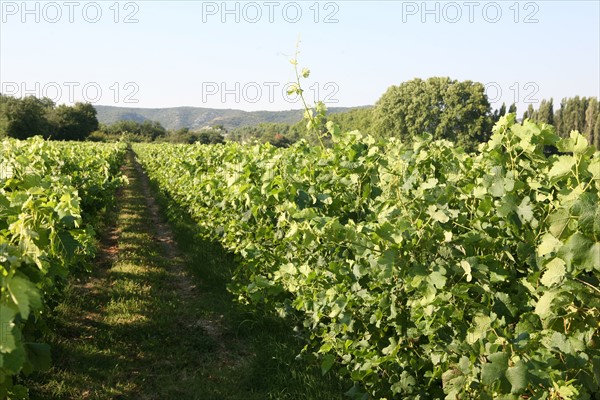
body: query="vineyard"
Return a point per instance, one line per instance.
(416, 271)
(51, 195)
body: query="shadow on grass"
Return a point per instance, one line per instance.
(273, 370)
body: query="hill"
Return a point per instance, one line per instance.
(198, 117)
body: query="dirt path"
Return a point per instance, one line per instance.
(137, 327)
(182, 282)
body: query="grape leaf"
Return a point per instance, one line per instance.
(494, 370)
(561, 167)
(518, 377)
(555, 272)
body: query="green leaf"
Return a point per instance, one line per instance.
(24, 294)
(566, 391)
(548, 244)
(593, 257)
(543, 306)
(594, 168)
(491, 372)
(497, 188)
(525, 210)
(561, 167)
(437, 279)
(406, 383)
(581, 253)
(386, 262)
(439, 216)
(557, 341)
(453, 383)
(327, 363)
(580, 143)
(334, 130)
(555, 272)
(558, 222)
(321, 108)
(7, 339)
(288, 268)
(14, 360)
(586, 208)
(518, 376)
(293, 89)
(467, 268)
(481, 325)
(69, 244)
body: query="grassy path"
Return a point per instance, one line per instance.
(154, 321)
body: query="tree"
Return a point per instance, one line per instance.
(357, 119)
(204, 136)
(152, 129)
(512, 109)
(445, 108)
(75, 122)
(140, 131)
(30, 116)
(573, 115)
(265, 132)
(591, 122)
(545, 113)
(4, 100)
(210, 136)
(280, 141)
(578, 113)
(22, 118)
(219, 127)
(529, 114)
(597, 132)
(499, 113)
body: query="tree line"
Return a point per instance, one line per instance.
(153, 131)
(446, 109)
(29, 116)
(458, 111)
(21, 118)
(576, 113)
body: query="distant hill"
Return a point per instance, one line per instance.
(197, 117)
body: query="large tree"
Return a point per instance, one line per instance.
(445, 108)
(22, 118)
(73, 122)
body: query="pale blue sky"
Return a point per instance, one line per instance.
(194, 53)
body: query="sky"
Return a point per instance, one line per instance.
(235, 54)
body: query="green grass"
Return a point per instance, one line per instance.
(137, 329)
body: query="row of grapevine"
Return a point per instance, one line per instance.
(49, 193)
(419, 271)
